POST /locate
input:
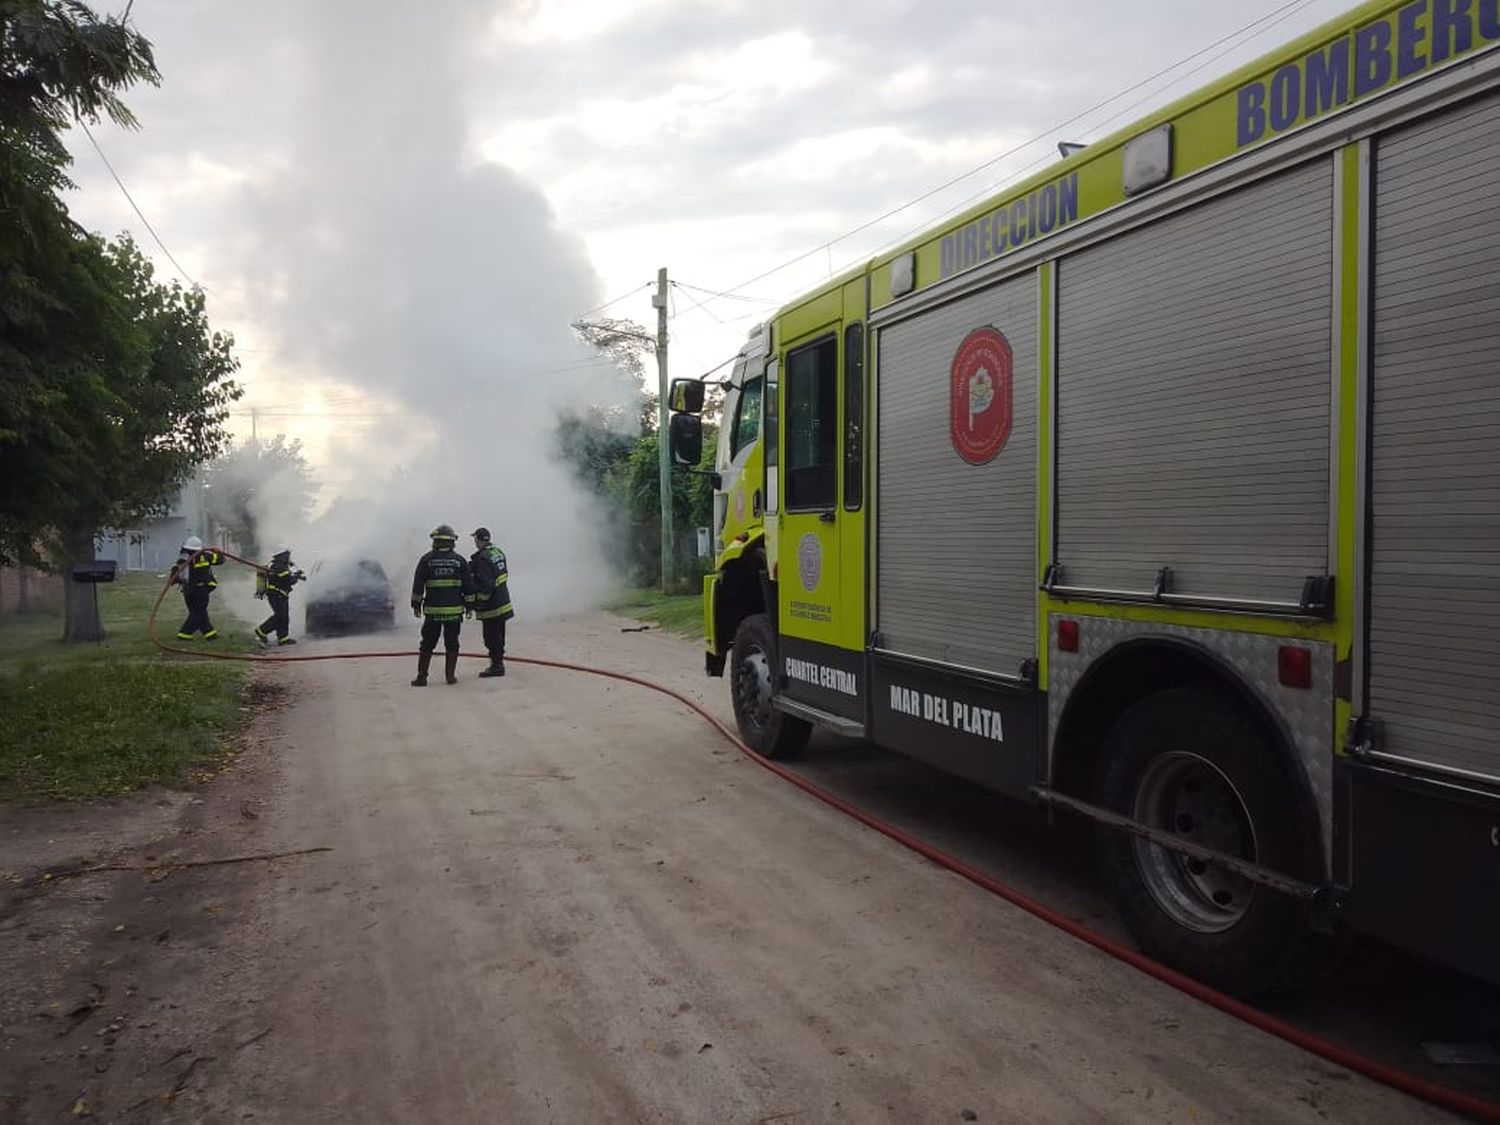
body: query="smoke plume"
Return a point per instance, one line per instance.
(425, 294)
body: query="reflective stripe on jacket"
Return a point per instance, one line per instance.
(197, 569)
(281, 579)
(491, 594)
(441, 584)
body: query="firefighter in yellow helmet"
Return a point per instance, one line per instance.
(441, 592)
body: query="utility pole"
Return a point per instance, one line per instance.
(664, 456)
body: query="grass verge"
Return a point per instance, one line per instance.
(675, 613)
(82, 721)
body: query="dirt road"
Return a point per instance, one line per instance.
(558, 899)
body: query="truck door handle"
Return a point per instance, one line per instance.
(826, 517)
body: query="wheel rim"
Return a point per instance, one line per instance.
(752, 689)
(1186, 794)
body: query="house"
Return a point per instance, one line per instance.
(153, 544)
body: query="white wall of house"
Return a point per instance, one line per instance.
(153, 544)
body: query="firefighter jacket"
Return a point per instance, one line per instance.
(282, 575)
(195, 570)
(491, 595)
(441, 586)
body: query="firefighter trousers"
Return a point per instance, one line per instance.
(196, 599)
(494, 638)
(280, 621)
(447, 626)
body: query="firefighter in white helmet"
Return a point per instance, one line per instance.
(281, 574)
(194, 572)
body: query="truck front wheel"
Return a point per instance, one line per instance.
(1193, 763)
(752, 680)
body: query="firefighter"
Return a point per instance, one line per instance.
(491, 598)
(280, 576)
(441, 593)
(194, 572)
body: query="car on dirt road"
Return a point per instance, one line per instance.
(349, 596)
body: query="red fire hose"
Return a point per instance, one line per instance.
(1415, 1085)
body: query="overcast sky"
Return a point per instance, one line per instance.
(376, 195)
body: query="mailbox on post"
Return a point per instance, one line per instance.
(90, 574)
(93, 571)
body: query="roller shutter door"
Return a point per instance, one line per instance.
(1434, 629)
(1194, 394)
(956, 542)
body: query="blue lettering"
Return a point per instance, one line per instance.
(1252, 113)
(1001, 234)
(1286, 97)
(1018, 222)
(1328, 78)
(1409, 36)
(1067, 210)
(985, 249)
(971, 245)
(1049, 208)
(1372, 58)
(948, 265)
(1031, 225)
(1489, 18)
(1452, 28)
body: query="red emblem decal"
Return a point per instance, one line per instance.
(979, 384)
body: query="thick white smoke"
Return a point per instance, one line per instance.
(379, 263)
(440, 287)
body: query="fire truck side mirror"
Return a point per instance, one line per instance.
(686, 438)
(686, 397)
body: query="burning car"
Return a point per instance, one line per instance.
(349, 596)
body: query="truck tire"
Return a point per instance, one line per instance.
(752, 683)
(1195, 763)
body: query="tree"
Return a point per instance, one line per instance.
(59, 62)
(261, 487)
(635, 485)
(626, 343)
(140, 391)
(112, 386)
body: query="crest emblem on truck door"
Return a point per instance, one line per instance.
(809, 561)
(980, 395)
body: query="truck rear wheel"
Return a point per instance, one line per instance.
(1195, 764)
(752, 680)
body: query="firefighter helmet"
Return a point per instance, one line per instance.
(482, 534)
(279, 550)
(192, 543)
(443, 531)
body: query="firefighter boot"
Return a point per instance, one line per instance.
(496, 668)
(450, 667)
(423, 660)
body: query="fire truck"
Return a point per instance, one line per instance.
(1163, 490)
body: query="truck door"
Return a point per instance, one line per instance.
(820, 627)
(740, 500)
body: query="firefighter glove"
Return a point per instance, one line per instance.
(416, 609)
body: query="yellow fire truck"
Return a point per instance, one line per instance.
(1164, 489)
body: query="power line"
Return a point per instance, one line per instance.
(615, 301)
(727, 296)
(1281, 16)
(1291, 4)
(84, 125)
(698, 305)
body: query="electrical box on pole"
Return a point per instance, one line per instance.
(664, 456)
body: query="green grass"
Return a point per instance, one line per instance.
(82, 721)
(675, 613)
